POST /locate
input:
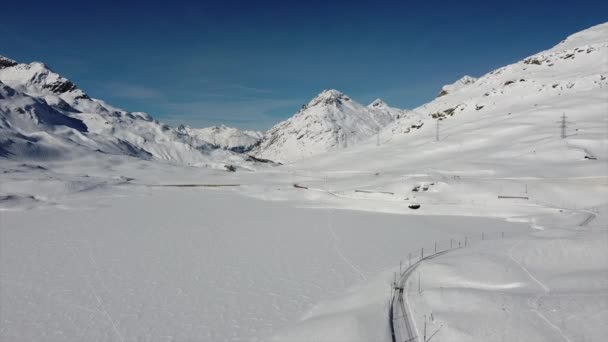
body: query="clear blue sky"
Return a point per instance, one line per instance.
(253, 63)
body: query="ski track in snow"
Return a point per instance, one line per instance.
(102, 307)
(336, 244)
(533, 301)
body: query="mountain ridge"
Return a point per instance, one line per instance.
(75, 124)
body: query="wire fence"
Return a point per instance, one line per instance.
(400, 321)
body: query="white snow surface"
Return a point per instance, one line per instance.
(107, 247)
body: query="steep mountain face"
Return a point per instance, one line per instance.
(30, 114)
(225, 137)
(28, 125)
(330, 121)
(45, 111)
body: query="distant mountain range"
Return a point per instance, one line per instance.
(46, 116)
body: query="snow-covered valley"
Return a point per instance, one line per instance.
(112, 264)
(115, 227)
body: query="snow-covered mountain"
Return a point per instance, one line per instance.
(225, 137)
(44, 115)
(29, 127)
(332, 120)
(575, 69)
(509, 115)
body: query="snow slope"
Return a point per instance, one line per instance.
(550, 286)
(575, 69)
(332, 120)
(499, 136)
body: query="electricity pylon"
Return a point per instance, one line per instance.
(437, 131)
(563, 125)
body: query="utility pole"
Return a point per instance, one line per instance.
(424, 336)
(437, 131)
(563, 125)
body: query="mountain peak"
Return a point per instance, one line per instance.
(378, 103)
(328, 97)
(40, 66)
(36, 78)
(461, 83)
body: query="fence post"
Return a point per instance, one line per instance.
(450, 243)
(422, 254)
(410, 258)
(400, 262)
(466, 241)
(424, 338)
(435, 247)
